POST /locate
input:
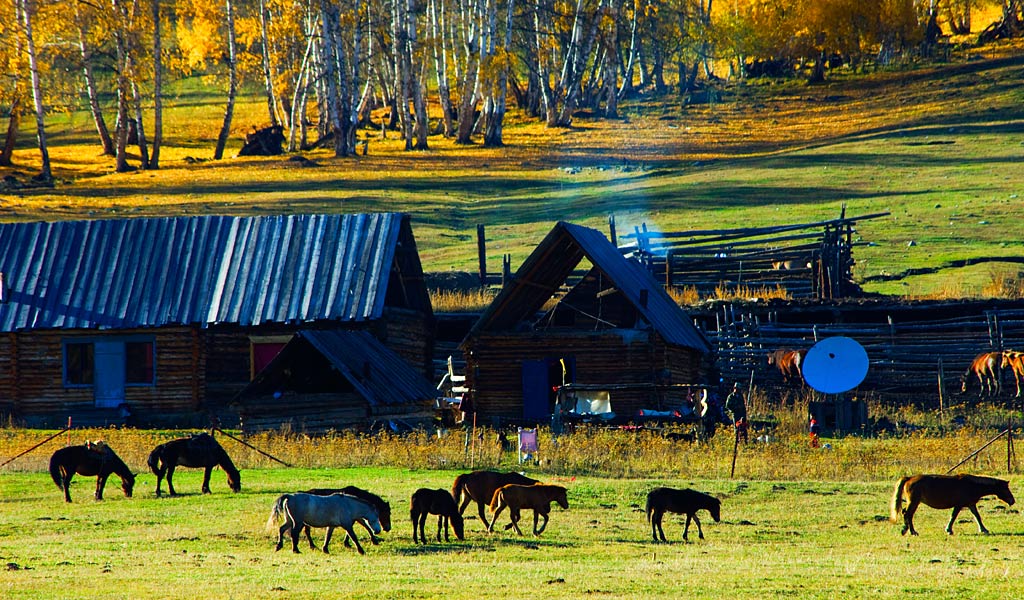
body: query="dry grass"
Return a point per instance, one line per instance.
(461, 300)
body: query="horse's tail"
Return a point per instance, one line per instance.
(55, 471)
(649, 508)
(154, 459)
(278, 511)
(896, 506)
(458, 486)
(495, 500)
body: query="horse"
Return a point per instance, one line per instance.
(481, 485)
(661, 500)
(987, 369)
(945, 491)
(91, 458)
(1014, 361)
(309, 510)
(435, 502)
(537, 497)
(789, 363)
(198, 451)
(383, 510)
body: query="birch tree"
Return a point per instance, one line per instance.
(27, 9)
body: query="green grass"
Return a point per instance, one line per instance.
(811, 538)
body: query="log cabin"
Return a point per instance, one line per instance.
(616, 327)
(162, 321)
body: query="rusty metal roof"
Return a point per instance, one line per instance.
(546, 269)
(196, 270)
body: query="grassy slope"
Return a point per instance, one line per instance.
(818, 540)
(940, 147)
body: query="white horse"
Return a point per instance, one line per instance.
(308, 510)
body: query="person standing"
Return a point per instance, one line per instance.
(736, 404)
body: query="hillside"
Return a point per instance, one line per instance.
(939, 146)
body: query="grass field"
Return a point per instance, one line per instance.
(938, 146)
(776, 538)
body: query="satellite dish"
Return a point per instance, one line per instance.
(835, 365)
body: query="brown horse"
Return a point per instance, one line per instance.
(537, 497)
(683, 502)
(789, 363)
(481, 485)
(945, 491)
(91, 458)
(383, 510)
(434, 502)
(987, 369)
(200, 451)
(1014, 361)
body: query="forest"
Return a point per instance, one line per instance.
(429, 67)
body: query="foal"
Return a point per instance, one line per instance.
(435, 502)
(537, 497)
(688, 502)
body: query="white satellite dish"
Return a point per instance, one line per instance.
(835, 365)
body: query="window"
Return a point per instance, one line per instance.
(78, 363)
(138, 363)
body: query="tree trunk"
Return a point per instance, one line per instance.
(158, 85)
(421, 123)
(137, 101)
(493, 135)
(90, 85)
(13, 122)
(268, 79)
(45, 174)
(627, 76)
(440, 45)
(229, 111)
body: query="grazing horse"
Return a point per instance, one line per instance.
(199, 451)
(987, 369)
(309, 510)
(789, 363)
(688, 502)
(537, 497)
(1014, 361)
(945, 491)
(434, 502)
(383, 509)
(480, 487)
(91, 458)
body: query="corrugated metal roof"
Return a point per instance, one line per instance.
(553, 260)
(204, 270)
(377, 373)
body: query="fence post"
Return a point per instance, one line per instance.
(611, 231)
(481, 251)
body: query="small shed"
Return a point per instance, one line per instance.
(616, 326)
(337, 379)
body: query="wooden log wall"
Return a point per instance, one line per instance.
(904, 349)
(494, 367)
(410, 334)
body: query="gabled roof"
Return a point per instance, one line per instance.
(546, 269)
(199, 270)
(377, 373)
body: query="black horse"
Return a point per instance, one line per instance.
(434, 502)
(199, 451)
(91, 458)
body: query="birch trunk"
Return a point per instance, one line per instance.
(45, 174)
(268, 79)
(90, 85)
(229, 111)
(158, 84)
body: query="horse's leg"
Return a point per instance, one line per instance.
(327, 540)
(309, 538)
(373, 536)
(352, 534)
(296, 534)
(442, 519)
(952, 519)
(101, 481)
(170, 476)
(542, 527)
(686, 529)
(422, 522)
(280, 534)
(700, 532)
(908, 517)
(65, 483)
(515, 515)
(659, 514)
(977, 517)
(654, 525)
(483, 518)
(206, 479)
(494, 517)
